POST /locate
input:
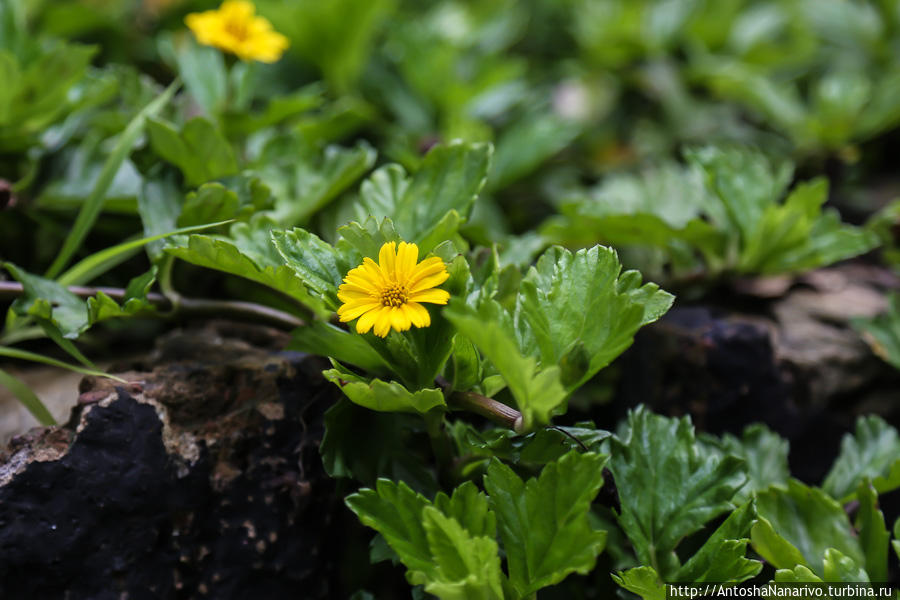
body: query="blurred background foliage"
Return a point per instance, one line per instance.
(567, 90)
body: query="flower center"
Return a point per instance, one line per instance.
(238, 29)
(395, 295)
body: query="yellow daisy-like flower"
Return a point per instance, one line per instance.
(389, 293)
(235, 28)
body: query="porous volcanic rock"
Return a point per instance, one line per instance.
(199, 478)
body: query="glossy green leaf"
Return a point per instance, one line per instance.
(642, 581)
(798, 524)
(669, 486)
(765, 454)
(583, 303)
(318, 264)
(199, 149)
(543, 522)
(351, 434)
(882, 333)
(537, 391)
(722, 558)
(873, 533)
(872, 453)
(384, 396)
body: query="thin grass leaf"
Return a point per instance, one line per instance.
(27, 397)
(98, 263)
(33, 357)
(93, 205)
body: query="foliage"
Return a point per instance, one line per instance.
(531, 147)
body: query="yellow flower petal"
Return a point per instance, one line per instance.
(386, 260)
(383, 322)
(235, 28)
(348, 312)
(368, 319)
(429, 282)
(417, 314)
(432, 296)
(407, 255)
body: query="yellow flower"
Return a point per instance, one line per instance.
(388, 294)
(235, 28)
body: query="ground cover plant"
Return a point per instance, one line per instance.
(471, 210)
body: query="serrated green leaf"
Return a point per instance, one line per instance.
(799, 574)
(642, 581)
(318, 264)
(796, 519)
(395, 511)
(384, 396)
(537, 392)
(582, 304)
(199, 149)
(470, 508)
(49, 303)
(543, 522)
(722, 558)
(873, 453)
(766, 456)
(325, 339)
(873, 534)
(842, 569)
(422, 208)
(249, 253)
(668, 485)
(352, 435)
(882, 333)
(101, 307)
(468, 567)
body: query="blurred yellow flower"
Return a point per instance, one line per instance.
(235, 28)
(388, 294)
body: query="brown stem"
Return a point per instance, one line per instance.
(482, 405)
(186, 307)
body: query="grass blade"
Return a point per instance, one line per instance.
(92, 207)
(39, 358)
(27, 397)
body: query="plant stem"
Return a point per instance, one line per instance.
(186, 307)
(482, 405)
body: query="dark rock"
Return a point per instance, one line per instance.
(199, 479)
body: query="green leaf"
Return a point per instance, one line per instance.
(39, 358)
(896, 541)
(101, 307)
(28, 398)
(249, 254)
(395, 511)
(642, 581)
(583, 304)
(159, 204)
(873, 453)
(722, 558)
(383, 396)
(203, 70)
(882, 333)
(93, 205)
(669, 485)
(470, 508)
(353, 432)
(843, 569)
(537, 392)
(766, 456)
(319, 184)
(449, 179)
(100, 262)
(468, 567)
(873, 534)
(318, 264)
(798, 524)
(527, 143)
(798, 574)
(49, 303)
(325, 339)
(544, 522)
(199, 150)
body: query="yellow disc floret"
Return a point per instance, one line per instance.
(235, 28)
(388, 294)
